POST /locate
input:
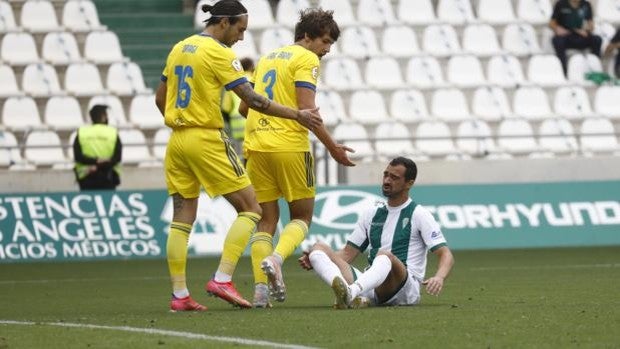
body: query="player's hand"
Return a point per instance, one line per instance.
(561, 31)
(433, 285)
(304, 261)
(582, 32)
(340, 155)
(310, 118)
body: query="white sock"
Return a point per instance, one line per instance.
(373, 277)
(278, 258)
(222, 277)
(324, 267)
(181, 293)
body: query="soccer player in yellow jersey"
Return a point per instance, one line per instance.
(278, 150)
(199, 152)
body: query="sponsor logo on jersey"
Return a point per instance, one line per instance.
(236, 64)
(315, 73)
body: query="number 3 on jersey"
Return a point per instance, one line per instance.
(184, 91)
(269, 79)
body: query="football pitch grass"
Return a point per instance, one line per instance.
(540, 298)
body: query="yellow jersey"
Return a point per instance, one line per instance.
(196, 70)
(276, 77)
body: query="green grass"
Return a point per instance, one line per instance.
(544, 298)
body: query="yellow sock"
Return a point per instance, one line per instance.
(176, 252)
(261, 247)
(291, 237)
(236, 241)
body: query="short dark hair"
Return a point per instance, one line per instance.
(231, 9)
(97, 112)
(316, 22)
(411, 170)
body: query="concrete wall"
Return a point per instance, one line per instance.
(429, 172)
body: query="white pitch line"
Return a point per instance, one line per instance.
(550, 267)
(187, 335)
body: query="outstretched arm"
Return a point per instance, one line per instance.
(434, 284)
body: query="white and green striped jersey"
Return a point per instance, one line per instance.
(408, 231)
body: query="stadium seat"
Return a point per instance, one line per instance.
(103, 47)
(135, 149)
(496, 11)
(505, 71)
(383, 73)
(473, 137)
(608, 10)
(455, 11)
(607, 101)
(531, 103)
(480, 40)
(520, 40)
(125, 79)
(465, 71)
(419, 12)
(7, 18)
(572, 102)
(440, 40)
(20, 114)
(598, 136)
(424, 72)
(358, 42)
(43, 148)
(273, 38)
(605, 30)
(200, 17)
(534, 11)
(82, 79)
(490, 104)
(39, 16)
(558, 136)
(8, 82)
(375, 12)
(343, 12)
(354, 136)
(60, 48)
(40, 80)
(63, 113)
(9, 152)
(287, 11)
(393, 139)
(449, 105)
(408, 106)
(246, 47)
(516, 137)
(160, 141)
(116, 113)
(367, 106)
(580, 64)
(433, 139)
(545, 70)
(81, 16)
(260, 10)
(144, 113)
(393, 38)
(343, 73)
(331, 107)
(18, 48)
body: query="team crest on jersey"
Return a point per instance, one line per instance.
(237, 65)
(315, 73)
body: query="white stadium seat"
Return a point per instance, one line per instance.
(367, 106)
(116, 113)
(408, 106)
(572, 102)
(18, 49)
(43, 148)
(473, 137)
(343, 12)
(103, 47)
(9, 151)
(545, 70)
(40, 80)
(534, 11)
(418, 12)
(125, 78)
(496, 11)
(343, 73)
(607, 101)
(20, 114)
(424, 72)
(440, 40)
(383, 73)
(520, 40)
(160, 141)
(273, 38)
(516, 137)
(60, 48)
(261, 15)
(246, 47)
(7, 18)
(393, 38)
(558, 136)
(81, 16)
(455, 11)
(8, 82)
(39, 16)
(287, 11)
(354, 136)
(505, 71)
(331, 107)
(358, 42)
(449, 105)
(608, 10)
(135, 149)
(375, 12)
(581, 64)
(480, 40)
(144, 113)
(393, 139)
(433, 138)
(83, 79)
(465, 71)
(531, 103)
(490, 104)
(598, 136)
(63, 113)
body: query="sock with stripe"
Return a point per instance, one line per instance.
(291, 237)
(324, 267)
(236, 240)
(176, 253)
(373, 276)
(261, 247)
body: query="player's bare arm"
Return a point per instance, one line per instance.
(434, 284)
(307, 117)
(160, 97)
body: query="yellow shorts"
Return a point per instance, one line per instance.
(200, 156)
(276, 175)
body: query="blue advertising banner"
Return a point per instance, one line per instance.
(134, 224)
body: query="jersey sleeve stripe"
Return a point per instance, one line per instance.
(163, 78)
(235, 83)
(305, 85)
(438, 246)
